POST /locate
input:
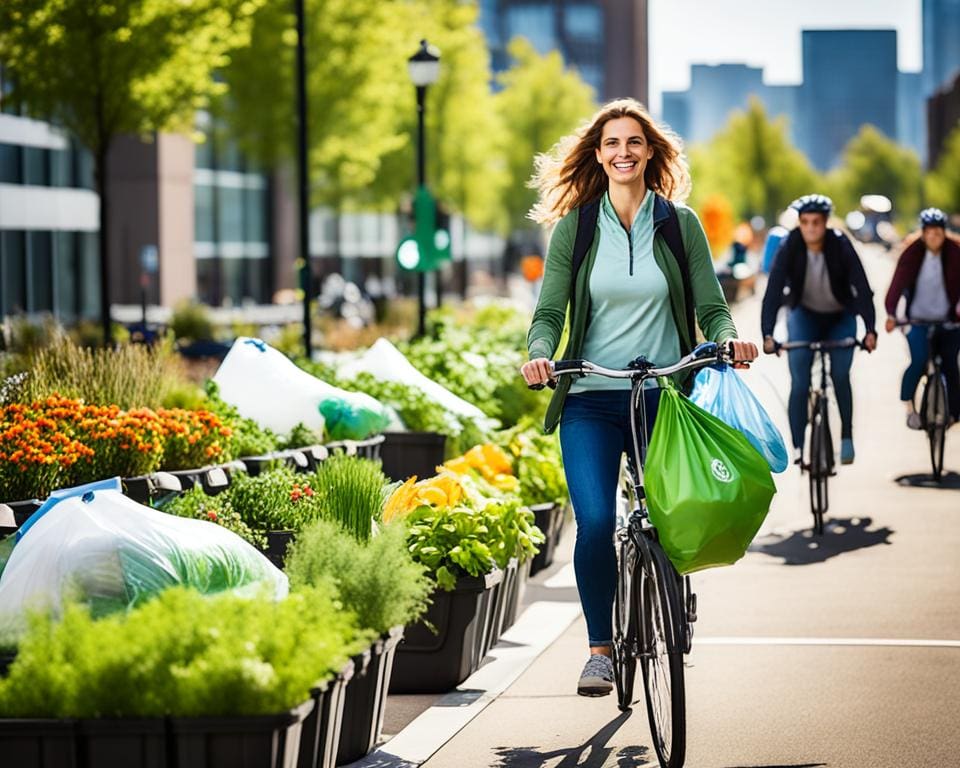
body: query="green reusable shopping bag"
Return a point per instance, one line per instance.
(708, 489)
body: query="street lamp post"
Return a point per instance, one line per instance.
(424, 68)
(303, 182)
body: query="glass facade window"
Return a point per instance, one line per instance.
(203, 154)
(61, 168)
(255, 203)
(534, 21)
(40, 271)
(89, 260)
(583, 22)
(36, 166)
(83, 168)
(230, 214)
(204, 226)
(66, 275)
(11, 164)
(13, 272)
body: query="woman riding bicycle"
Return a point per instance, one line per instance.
(928, 277)
(627, 299)
(818, 274)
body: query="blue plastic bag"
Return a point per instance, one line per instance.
(719, 390)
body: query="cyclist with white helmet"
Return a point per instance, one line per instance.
(928, 278)
(818, 275)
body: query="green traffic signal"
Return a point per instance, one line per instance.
(428, 246)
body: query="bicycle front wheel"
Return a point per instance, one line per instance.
(625, 624)
(661, 657)
(820, 453)
(935, 416)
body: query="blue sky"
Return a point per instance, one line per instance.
(764, 33)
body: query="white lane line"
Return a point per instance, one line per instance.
(537, 628)
(562, 579)
(894, 642)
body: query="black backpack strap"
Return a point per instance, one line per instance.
(586, 230)
(670, 230)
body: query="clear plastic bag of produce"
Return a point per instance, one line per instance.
(95, 545)
(266, 386)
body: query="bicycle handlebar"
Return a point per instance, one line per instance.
(704, 354)
(947, 325)
(817, 346)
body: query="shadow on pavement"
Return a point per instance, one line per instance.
(949, 481)
(595, 751)
(840, 535)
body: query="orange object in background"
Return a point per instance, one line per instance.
(531, 267)
(716, 214)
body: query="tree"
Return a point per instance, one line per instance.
(874, 164)
(541, 102)
(943, 182)
(752, 163)
(102, 69)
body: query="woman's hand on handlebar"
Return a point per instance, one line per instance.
(537, 372)
(890, 324)
(743, 352)
(770, 346)
(870, 341)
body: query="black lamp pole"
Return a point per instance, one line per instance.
(421, 182)
(306, 273)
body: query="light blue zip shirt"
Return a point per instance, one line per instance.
(629, 299)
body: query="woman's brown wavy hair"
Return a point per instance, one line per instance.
(569, 175)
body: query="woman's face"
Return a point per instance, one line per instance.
(933, 237)
(624, 151)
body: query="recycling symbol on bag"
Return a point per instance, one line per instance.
(720, 471)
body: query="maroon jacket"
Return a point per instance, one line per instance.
(908, 267)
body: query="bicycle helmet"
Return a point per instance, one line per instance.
(813, 204)
(933, 217)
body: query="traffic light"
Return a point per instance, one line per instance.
(430, 244)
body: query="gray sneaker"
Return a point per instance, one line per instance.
(597, 676)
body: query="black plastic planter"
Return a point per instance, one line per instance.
(549, 518)
(368, 448)
(130, 742)
(435, 662)
(38, 743)
(277, 543)
(515, 598)
(320, 735)
(264, 741)
(405, 454)
(257, 464)
(146, 488)
(23, 509)
(8, 521)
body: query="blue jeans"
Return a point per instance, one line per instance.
(806, 325)
(594, 434)
(948, 344)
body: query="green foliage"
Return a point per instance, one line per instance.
(191, 321)
(541, 101)
(378, 580)
(129, 375)
(751, 163)
(538, 463)
(943, 182)
(300, 437)
(276, 500)
(874, 164)
(217, 509)
(351, 491)
(181, 654)
(247, 438)
(124, 67)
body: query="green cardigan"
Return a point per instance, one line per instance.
(712, 312)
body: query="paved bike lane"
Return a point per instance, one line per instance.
(843, 651)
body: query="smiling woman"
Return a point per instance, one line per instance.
(630, 291)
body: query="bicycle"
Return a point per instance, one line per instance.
(934, 412)
(820, 459)
(654, 607)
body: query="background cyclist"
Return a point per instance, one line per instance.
(818, 274)
(928, 277)
(629, 301)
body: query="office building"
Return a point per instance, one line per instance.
(941, 43)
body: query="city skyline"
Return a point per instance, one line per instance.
(773, 39)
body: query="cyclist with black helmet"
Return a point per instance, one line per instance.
(818, 275)
(928, 277)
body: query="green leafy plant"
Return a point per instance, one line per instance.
(181, 654)
(299, 437)
(538, 464)
(217, 509)
(351, 491)
(378, 580)
(276, 500)
(191, 321)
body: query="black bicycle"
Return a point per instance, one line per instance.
(934, 409)
(820, 462)
(655, 607)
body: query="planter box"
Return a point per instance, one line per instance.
(435, 662)
(254, 741)
(8, 521)
(515, 598)
(365, 701)
(507, 595)
(320, 734)
(146, 488)
(257, 464)
(277, 543)
(130, 742)
(214, 480)
(38, 743)
(23, 509)
(550, 519)
(405, 454)
(368, 448)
